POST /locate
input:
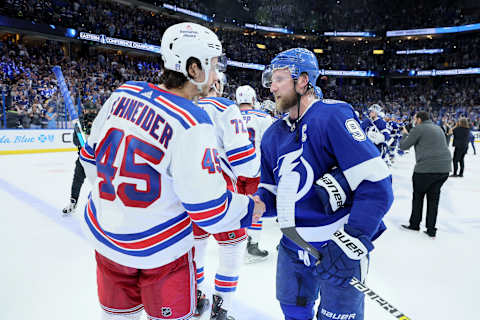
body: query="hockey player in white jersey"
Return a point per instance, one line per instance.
(152, 158)
(257, 123)
(240, 165)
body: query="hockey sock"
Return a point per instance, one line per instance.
(226, 279)
(200, 253)
(254, 231)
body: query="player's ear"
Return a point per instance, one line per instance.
(194, 69)
(303, 81)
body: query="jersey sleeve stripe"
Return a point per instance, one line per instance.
(262, 115)
(237, 150)
(87, 155)
(142, 244)
(244, 160)
(241, 155)
(205, 205)
(210, 215)
(89, 149)
(373, 170)
(218, 105)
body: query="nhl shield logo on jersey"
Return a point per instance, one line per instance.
(355, 130)
(166, 311)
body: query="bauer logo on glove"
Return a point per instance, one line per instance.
(333, 191)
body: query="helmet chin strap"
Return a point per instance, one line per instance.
(200, 85)
(296, 124)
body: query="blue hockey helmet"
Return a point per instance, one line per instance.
(298, 61)
(318, 93)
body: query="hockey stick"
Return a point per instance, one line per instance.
(77, 128)
(292, 234)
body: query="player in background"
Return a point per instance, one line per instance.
(395, 136)
(241, 168)
(257, 123)
(298, 151)
(268, 106)
(153, 161)
(79, 173)
(376, 129)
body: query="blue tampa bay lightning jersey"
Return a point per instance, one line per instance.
(327, 135)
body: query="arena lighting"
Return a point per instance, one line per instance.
(189, 12)
(261, 46)
(349, 34)
(378, 51)
(438, 30)
(420, 51)
(265, 28)
(71, 33)
(348, 73)
(318, 50)
(246, 65)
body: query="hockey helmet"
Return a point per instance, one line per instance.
(298, 61)
(245, 94)
(186, 40)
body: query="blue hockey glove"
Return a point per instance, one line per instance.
(333, 191)
(342, 256)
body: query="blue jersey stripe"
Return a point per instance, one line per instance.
(244, 160)
(138, 253)
(238, 150)
(93, 162)
(144, 234)
(208, 204)
(209, 222)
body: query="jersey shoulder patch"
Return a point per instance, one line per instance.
(355, 130)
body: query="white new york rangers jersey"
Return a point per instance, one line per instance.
(153, 160)
(257, 123)
(236, 149)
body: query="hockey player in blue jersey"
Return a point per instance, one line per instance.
(376, 129)
(395, 136)
(299, 155)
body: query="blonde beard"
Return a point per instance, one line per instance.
(286, 103)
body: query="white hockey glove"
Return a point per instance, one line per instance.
(375, 136)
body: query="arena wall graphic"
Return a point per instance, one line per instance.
(36, 141)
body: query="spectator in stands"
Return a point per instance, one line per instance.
(51, 116)
(433, 164)
(36, 116)
(461, 138)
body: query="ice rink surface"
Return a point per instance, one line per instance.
(48, 269)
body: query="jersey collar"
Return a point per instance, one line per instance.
(289, 122)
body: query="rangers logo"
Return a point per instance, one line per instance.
(231, 235)
(166, 311)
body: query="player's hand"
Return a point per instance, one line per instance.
(341, 257)
(404, 130)
(258, 210)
